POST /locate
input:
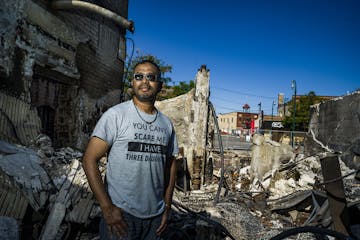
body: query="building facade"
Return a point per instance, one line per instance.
(61, 66)
(238, 123)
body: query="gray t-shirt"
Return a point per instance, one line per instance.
(136, 161)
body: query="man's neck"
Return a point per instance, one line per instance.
(147, 107)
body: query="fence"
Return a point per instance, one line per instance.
(285, 136)
(243, 142)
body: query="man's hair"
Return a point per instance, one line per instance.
(151, 62)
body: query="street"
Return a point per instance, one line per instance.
(232, 142)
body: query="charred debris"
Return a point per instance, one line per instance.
(303, 193)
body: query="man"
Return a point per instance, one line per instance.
(140, 178)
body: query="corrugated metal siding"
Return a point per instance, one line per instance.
(19, 122)
(12, 201)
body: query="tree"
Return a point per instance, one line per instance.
(302, 114)
(177, 90)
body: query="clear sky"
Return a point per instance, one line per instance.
(254, 48)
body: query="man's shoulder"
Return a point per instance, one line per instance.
(124, 106)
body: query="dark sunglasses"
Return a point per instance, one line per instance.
(150, 77)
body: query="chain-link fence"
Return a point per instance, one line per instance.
(244, 141)
(295, 138)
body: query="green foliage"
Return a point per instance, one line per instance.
(178, 90)
(302, 113)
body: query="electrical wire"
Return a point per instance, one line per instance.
(242, 93)
(208, 220)
(227, 100)
(130, 58)
(126, 70)
(221, 182)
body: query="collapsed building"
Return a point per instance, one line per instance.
(51, 62)
(53, 55)
(275, 188)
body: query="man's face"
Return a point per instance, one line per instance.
(145, 90)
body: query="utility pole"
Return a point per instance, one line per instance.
(272, 117)
(293, 86)
(272, 111)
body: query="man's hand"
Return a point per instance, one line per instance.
(163, 224)
(114, 220)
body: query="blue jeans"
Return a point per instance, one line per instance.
(138, 228)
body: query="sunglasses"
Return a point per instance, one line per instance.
(150, 77)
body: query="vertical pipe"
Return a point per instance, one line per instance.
(205, 165)
(185, 173)
(221, 182)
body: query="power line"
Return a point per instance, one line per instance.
(227, 108)
(225, 100)
(230, 101)
(242, 93)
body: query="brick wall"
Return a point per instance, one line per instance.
(98, 61)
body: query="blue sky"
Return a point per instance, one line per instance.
(254, 48)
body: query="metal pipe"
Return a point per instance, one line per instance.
(221, 182)
(119, 20)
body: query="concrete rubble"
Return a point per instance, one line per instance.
(250, 207)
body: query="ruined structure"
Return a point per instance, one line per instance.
(336, 123)
(60, 70)
(61, 66)
(268, 155)
(193, 124)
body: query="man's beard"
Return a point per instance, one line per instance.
(151, 97)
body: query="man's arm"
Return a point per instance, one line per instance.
(112, 214)
(170, 177)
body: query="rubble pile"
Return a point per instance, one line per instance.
(52, 181)
(288, 193)
(252, 205)
(227, 218)
(302, 173)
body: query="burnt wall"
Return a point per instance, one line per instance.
(99, 59)
(65, 65)
(336, 123)
(194, 127)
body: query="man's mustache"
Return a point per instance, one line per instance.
(145, 85)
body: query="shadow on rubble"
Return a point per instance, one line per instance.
(44, 195)
(185, 224)
(310, 210)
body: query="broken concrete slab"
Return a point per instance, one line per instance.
(9, 229)
(268, 155)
